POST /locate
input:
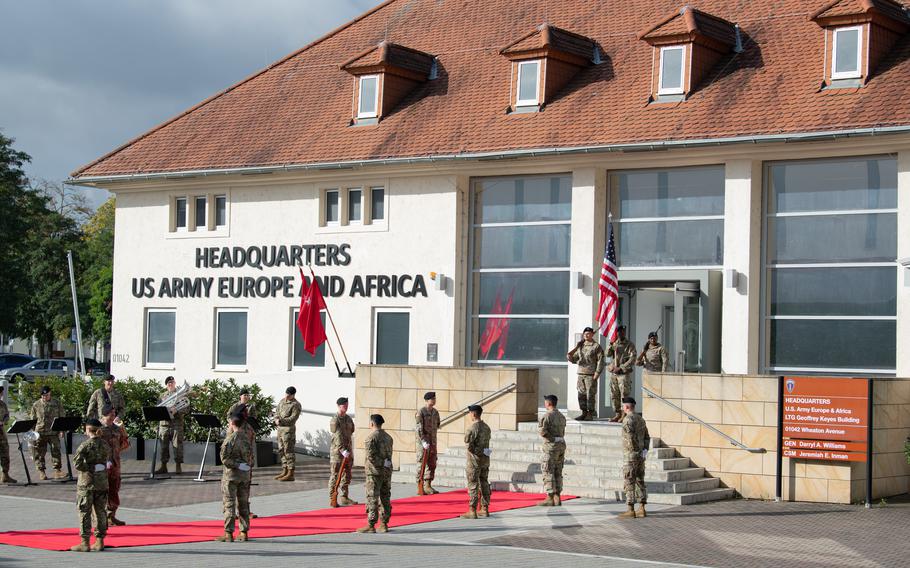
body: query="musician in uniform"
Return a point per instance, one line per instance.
(114, 434)
(427, 424)
(4, 445)
(170, 432)
(341, 457)
(45, 410)
(247, 402)
(106, 395)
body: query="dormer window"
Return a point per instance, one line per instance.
(672, 70)
(847, 53)
(368, 92)
(384, 75)
(528, 83)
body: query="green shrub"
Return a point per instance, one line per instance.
(73, 393)
(216, 396)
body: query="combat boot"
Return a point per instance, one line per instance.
(289, 476)
(582, 417)
(366, 529)
(82, 547)
(5, 478)
(162, 469)
(99, 544)
(345, 500)
(629, 514)
(641, 513)
(284, 471)
(226, 537)
(112, 520)
(548, 502)
(177, 469)
(557, 500)
(243, 537)
(471, 514)
(42, 475)
(616, 417)
(428, 488)
(383, 527)
(483, 512)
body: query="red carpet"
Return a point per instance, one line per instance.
(409, 511)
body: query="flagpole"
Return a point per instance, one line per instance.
(335, 329)
(327, 342)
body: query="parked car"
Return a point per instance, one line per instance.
(11, 360)
(40, 368)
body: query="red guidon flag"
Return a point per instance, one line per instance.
(309, 321)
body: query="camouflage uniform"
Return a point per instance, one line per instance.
(378, 448)
(635, 438)
(4, 444)
(287, 413)
(170, 432)
(100, 398)
(590, 360)
(117, 440)
(235, 484)
(623, 353)
(250, 410)
(477, 468)
(91, 490)
(342, 428)
(427, 425)
(45, 413)
(552, 428)
(655, 358)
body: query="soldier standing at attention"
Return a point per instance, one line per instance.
(589, 356)
(235, 480)
(623, 353)
(92, 460)
(115, 436)
(654, 357)
(477, 469)
(552, 428)
(635, 443)
(286, 416)
(171, 432)
(45, 410)
(4, 444)
(378, 448)
(106, 395)
(341, 455)
(246, 401)
(427, 424)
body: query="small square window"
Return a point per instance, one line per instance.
(180, 213)
(201, 213)
(355, 205)
(332, 209)
(377, 203)
(220, 210)
(847, 53)
(672, 67)
(528, 83)
(369, 97)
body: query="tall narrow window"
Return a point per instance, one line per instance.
(332, 209)
(355, 205)
(230, 340)
(201, 212)
(392, 338)
(672, 66)
(180, 213)
(220, 210)
(848, 45)
(377, 203)
(528, 83)
(302, 357)
(368, 105)
(160, 336)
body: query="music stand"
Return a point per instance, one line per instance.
(67, 424)
(156, 414)
(211, 422)
(20, 427)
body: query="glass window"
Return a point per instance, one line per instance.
(369, 97)
(528, 83)
(672, 64)
(521, 339)
(522, 246)
(377, 205)
(827, 344)
(522, 292)
(355, 200)
(180, 213)
(57, 365)
(677, 192)
(841, 185)
(392, 338)
(808, 291)
(201, 218)
(505, 200)
(160, 335)
(220, 210)
(231, 340)
(332, 209)
(302, 357)
(676, 243)
(847, 53)
(833, 238)
(39, 365)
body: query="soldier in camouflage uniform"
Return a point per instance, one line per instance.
(589, 356)
(341, 455)
(477, 468)
(92, 460)
(654, 357)
(106, 396)
(45, 410)
(115, 436)
(170, 432)
(378, 449)
(623, 353)
(635, 444)
(552, 428)
(427, 425)
(246, 402)
(236, 455)
(286, 416)
(4, 444)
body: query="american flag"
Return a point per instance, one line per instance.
(609, 291)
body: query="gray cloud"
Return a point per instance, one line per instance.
(78, 78)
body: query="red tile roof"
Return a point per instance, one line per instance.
(297, 111)
(888, 8)
(546, 36)
(691, 22)
(391, 55)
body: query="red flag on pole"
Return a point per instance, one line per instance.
(309, 321)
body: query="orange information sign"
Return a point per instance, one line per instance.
(825, 418)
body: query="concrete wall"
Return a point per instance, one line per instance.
(745, 408)
(397, 392)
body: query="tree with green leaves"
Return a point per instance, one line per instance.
(97, 277)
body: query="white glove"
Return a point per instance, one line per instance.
(100, 467)
(487, 451)
(345, 454)
(243, 467)
(109, 465)
(425, 444)
(558, 439)
(644, 454)
(387, 463)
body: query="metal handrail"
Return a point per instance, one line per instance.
(460, 413)
(321, 412)
(693, 418)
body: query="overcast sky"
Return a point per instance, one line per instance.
(80, 77)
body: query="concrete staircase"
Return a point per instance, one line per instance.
(593, 466)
